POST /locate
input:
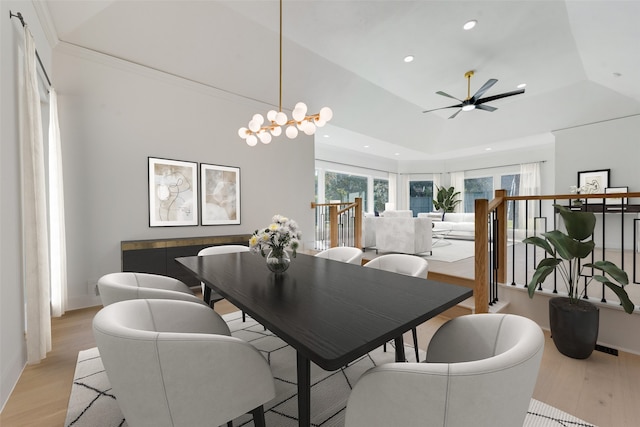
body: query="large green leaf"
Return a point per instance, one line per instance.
(567, 247)
(545, 267)
(612, 270)
(580, 225)
(539, 242)
(626, 303)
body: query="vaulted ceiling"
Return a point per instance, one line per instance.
(579, 59)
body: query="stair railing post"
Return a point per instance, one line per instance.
(501, 213)
(481, 289)
(357, 224)
(333, 225)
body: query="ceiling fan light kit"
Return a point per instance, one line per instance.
(475, 102)
(276, 120)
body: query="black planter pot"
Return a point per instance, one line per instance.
(574, 327)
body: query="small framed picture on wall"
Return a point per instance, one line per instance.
(173, 193)
(593, 182)
(220, 195)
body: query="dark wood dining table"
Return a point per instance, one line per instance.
(330, 312)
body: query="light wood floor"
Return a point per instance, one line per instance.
(603, 390)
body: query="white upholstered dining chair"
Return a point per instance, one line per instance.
(215, 250)
(121, 286)
(347, 254)
(173, 363)
(480, 371)
(408, 265)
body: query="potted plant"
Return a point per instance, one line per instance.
(446, 200)
(572, 319)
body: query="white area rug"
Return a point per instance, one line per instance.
(92, 404)
(451, 250)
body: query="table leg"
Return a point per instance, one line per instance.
(206, 295)
(304, 391)
(400, 357)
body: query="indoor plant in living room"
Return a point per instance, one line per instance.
(573, 320)
(446, 200)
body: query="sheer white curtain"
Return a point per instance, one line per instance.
(529, 186)
(457, 182)
(58, 245)
(34, 212)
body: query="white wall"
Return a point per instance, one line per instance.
(608, 145)
(12, 342)
(115, 114)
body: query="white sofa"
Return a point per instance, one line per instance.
(370, 223)
(397, 214)
(457, 225)
(403, 235)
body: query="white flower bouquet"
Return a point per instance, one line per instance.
(282, 233)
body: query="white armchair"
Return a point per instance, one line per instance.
(347, 254)
(403, 235)
(122, 286)
(480, 371)
(408, 265)
(173, 363)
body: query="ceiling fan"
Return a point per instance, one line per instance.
(473, 102)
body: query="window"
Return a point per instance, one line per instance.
(511, 183)
(477, 188)
(380, 194)
(420, 196)
(345, 187)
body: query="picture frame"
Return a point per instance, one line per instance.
(593, 182)
(173, 192)
(616, 201)
(220, 194)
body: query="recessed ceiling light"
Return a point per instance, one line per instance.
(488, 149)
(326, 136)
(470, 24)
(521, 85)
(397, 154)
(409, 58)
(366, 146)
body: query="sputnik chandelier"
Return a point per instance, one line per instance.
(258, 129)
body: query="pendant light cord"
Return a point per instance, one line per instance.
(280, 95)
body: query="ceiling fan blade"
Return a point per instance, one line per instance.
(447, 95)
(502, 95)
(442, 108)
(486, 108)
(485, 87)
(455, 114)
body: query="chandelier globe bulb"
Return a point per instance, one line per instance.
(326, 114)
(291, 132)
(252, 140)
(281, 118)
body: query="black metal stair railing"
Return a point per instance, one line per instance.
(616, 238)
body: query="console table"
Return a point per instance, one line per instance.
(158, 256)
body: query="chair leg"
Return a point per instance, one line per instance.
(258, 416)
(244, 317)
(414, 332)
(230, 424)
